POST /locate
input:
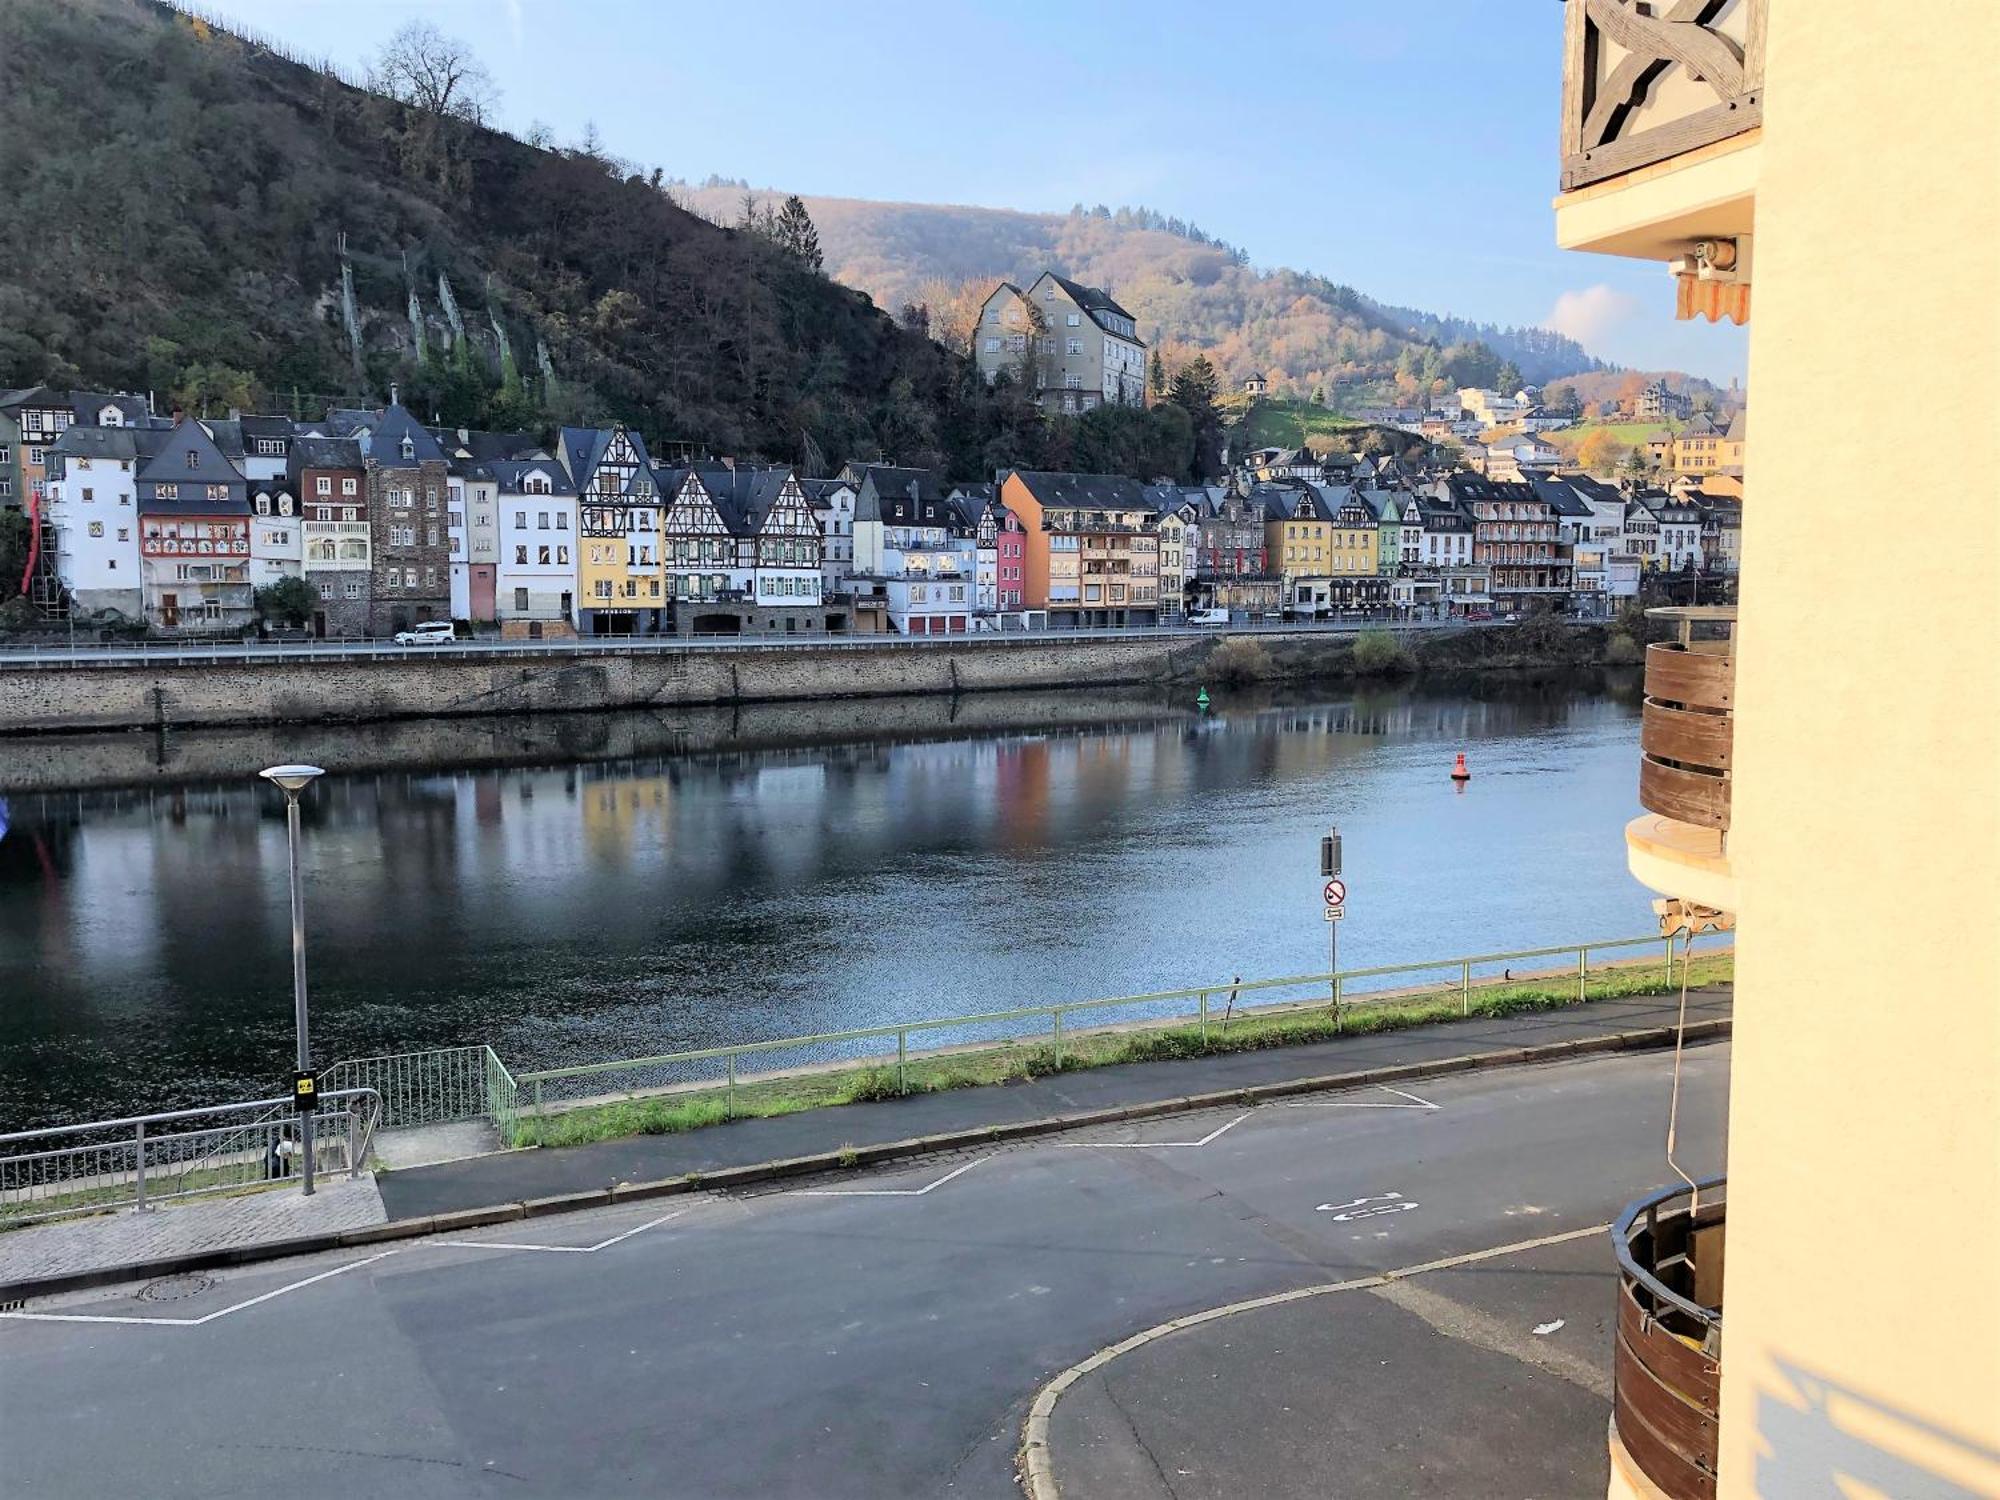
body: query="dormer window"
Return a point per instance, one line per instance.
(409, 446)
(193, 459)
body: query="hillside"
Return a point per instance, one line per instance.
(1186, 289)
(177, 205)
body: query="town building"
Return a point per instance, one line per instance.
(277, 533)
(1171, 528)
(1091, 557)
(327, 477)
(1514, 537)
(621, 505)
(743, 552)
(404, 480)
(832, 501)
(1698, 447)
(535, 507)
(1071, 344)
(1655, 403)
(1227, 555)
(91, 490)
(912, 553)
(267, 447)
(194, 530)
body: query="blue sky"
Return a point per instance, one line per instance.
(1406, 147)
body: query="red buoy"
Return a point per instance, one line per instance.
(1458, 771)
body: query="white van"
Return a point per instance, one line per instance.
(429, 633)
(1208, 617)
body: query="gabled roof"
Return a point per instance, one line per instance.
(509, 472)
(323, 453)
(1739, 426)
(39, 397)
(1560, 497)
(901, 497)
(385, 443)
(1092, 299)
(254, 426)
(79, 441)
(470, 445)
(744, 497)
(188, 455)
(1083, 491)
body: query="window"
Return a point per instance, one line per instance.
(1072, 382)
(542, 556)
(323, 485)
(430, 536)
(124, 534)
(520, 601)
(167, 491)
(430, 577)
(541, 520)
(562, 557)
(263, 505)
(562, 520)
(346, 486)
(193, 458)
(326, 588)
(520, 556)
(520, 520)
(97, 528)
(1076, 346)
(352, 588)
(1074, 320)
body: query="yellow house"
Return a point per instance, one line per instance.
(1837, 162)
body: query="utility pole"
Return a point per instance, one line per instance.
(1334, 893)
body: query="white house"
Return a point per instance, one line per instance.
(535, 578)
(267, 447)
(832, 501)
(92, 493)
(277, 533)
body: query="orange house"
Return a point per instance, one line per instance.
(1092, 555)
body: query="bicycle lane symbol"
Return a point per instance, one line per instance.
(1368, 1208)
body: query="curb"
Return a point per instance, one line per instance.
(833, 1161)
(1033, 1467)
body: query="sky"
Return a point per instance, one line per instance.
(1404, 147)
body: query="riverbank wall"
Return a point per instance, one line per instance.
(305, 690)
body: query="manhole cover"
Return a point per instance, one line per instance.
(175, 1288)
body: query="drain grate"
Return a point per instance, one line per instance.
(175, 1288)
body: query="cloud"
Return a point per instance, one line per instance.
(1593, 314)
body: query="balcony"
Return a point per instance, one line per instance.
(1661, 108)
(1667, 1360)
(1687, 761)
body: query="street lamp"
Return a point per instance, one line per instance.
(293, 780)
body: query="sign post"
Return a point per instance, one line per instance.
(1334, 893)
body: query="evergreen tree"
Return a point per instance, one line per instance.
(1509, 379)
(1156, 375)
(795, 231)
(1193, 392)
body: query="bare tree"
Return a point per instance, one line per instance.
(435, 73)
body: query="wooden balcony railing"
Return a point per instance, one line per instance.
(1667, 1362)
(1644, 82)
(1687, 732)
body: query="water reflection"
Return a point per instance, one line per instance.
(595, 908)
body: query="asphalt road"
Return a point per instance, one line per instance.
(881, 1334)
(178, 652)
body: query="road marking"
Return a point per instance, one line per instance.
(1414, 1102)
(223, 1312)
(1150, 1145)
(1038, 1473)
(1368, 1208)
(885, 1192)
(615, 1239)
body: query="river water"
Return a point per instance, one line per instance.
(572, 891)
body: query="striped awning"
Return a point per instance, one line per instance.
(1713, 300)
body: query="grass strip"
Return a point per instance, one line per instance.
(1036, 1057)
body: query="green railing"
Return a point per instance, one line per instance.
(1342, 991)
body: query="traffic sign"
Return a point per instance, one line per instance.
(305, 1093)
(1333, 913)
(1336, 892)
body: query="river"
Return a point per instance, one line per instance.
(578, 890)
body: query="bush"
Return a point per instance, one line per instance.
(1238, 661)
(1379, 654)
(1622, 651)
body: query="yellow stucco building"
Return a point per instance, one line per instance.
(1833, 166)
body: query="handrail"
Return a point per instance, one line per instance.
(1462, 962)
(1621, 1247)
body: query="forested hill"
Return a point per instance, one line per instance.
(176, 204)
(1187, 289)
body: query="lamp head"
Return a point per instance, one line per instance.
(294, 779)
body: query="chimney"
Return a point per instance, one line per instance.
(395, 394)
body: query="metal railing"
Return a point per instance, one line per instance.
(1341, 992)
(1637, 1233)
(135, 1162)
(200, 651)
(418, 1088)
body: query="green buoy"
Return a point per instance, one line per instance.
(1201, 698)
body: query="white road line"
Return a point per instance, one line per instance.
(885, 1192)
(1414, 1102)
(1150, 1145)
(220, 1312)
(223, 1312)
(554, 1249)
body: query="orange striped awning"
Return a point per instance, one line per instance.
(1713, 300)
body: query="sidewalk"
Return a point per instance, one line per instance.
(189, 1226)
(516, 1176)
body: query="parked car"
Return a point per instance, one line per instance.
(1208, 617)
(1479, 614)
(430, 633)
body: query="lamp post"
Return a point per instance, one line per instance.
(293, 780)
